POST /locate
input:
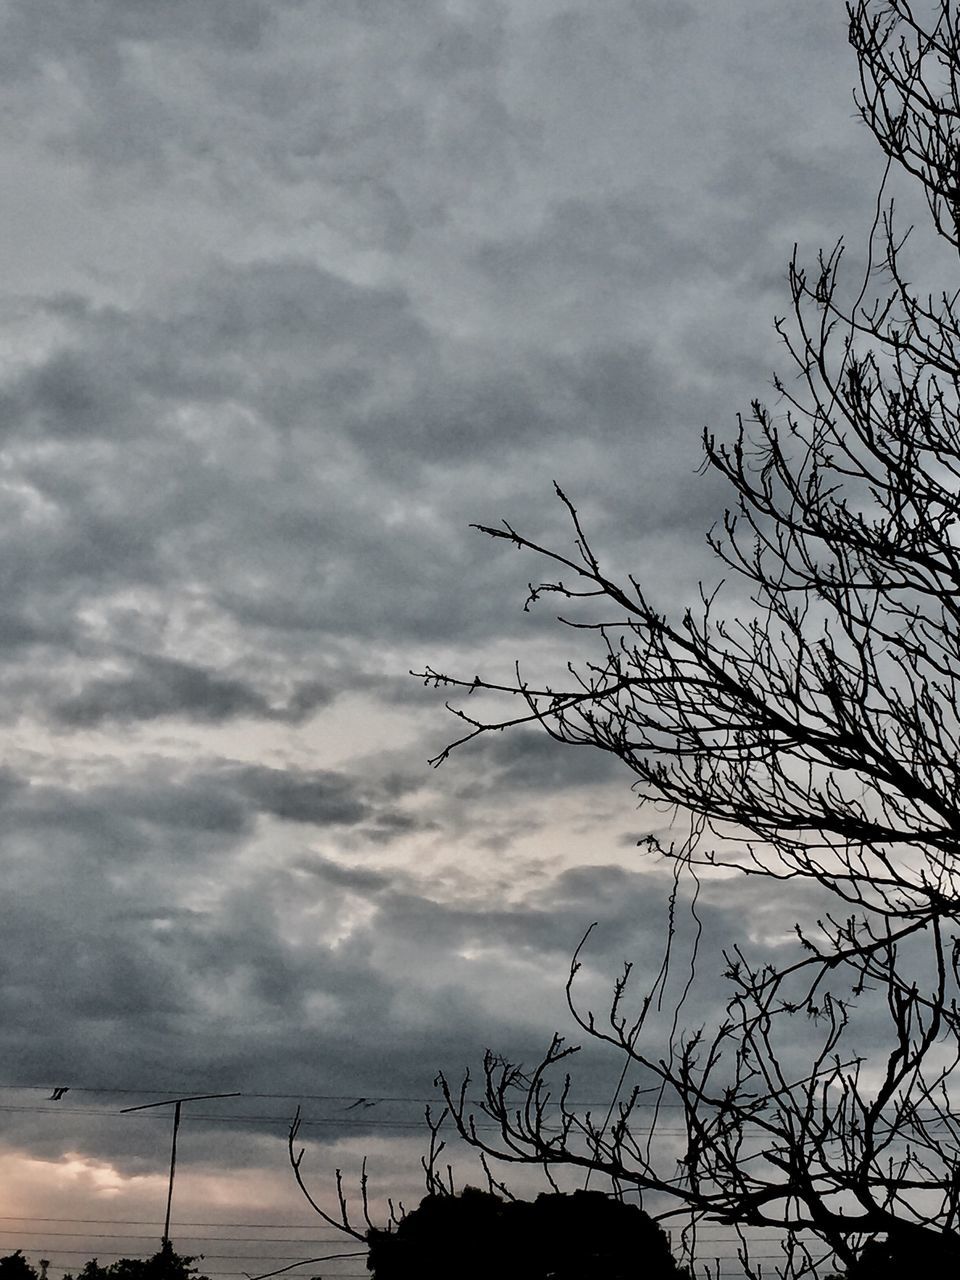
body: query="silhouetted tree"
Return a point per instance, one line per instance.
(14, 1266)
(477, 1236)
(816, 733)
(886, 1260)
(163, 1265)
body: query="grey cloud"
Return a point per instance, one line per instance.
(213, 796)
(320, 798)
(599, 241)
(56, 835)
(375, 409)
(71, 396)
(389, 826)
(335, 278)
(293, 343)
(225, 998)
(17, 631)
(465, 44)
(161, 686)
(361, 879)
(529, 760)
(314, 975)
(188, 804)
(142, 985)
(665, 15)
(56, 24)
(291, 308)
(324, 798)
(160, 509)
(11, 782)
(245, 63)
(240, 334)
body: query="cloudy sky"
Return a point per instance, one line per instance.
(293, 291)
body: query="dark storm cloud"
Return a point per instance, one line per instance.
(159, 802)
(57, 25)
(315, 798)
(139, 820)
(361, 425)
(304, 349)
(335, 391)
(262, 993)
(301, 290)
(165, 687)
(266, 334)
(71, 395)
(256, 1009)
(122, 497)
(529, 760)
(278, 69)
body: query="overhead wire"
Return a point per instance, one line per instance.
(368, 1100)
(151, 1222)
(148, 1090)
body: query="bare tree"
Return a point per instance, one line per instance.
(820, 729)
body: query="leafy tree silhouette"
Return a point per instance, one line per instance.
(889, 1260)
(475, 1235)
(14, 1266)
(163, 1265)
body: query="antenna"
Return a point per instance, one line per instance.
(176, 1103)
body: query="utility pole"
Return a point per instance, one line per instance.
(176, 1103)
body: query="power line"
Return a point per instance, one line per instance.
(144, 1235)
(338, 1275)
(369, 1099)
(144, 1222)
(701, 1230)
(364, 1122)
(144, 1091)
(237, 1117)
(286, 1240)
(369, 1122)
(268, 1257)
(149, 1222)
(215, 1275)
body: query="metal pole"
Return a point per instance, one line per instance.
(173, 1169)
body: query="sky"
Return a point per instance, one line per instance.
(293, 292)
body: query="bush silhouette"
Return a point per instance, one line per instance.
(164, 1265)
(477, 1236)
(15, 1267)
(893, 1259)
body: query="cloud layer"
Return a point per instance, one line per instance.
(295, 292)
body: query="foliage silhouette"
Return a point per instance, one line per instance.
(163, 1265)
(475, 1235)
(14, 1266)
(883, 1260)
